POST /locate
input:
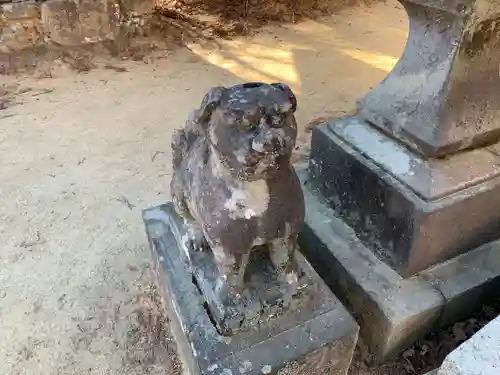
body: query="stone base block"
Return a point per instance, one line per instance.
(17, 36)
(20, 27)
(70, 23)
(20, 10)
(317, 338)
(467, 281)
(412, 212)
(393, 311)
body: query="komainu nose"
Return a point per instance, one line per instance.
(267, 142)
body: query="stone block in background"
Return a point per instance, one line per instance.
(20, 11)
(137, 8)
(20, 27)
(391, 193)
(70, 23)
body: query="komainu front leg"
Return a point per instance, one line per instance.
(231, 267)
(194, 240)
(282, 254)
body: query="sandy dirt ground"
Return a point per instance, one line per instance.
(82, 154)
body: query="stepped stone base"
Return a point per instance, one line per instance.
(317, 338)
(393, 311)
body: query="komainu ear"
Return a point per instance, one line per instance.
(210, 101)
(288, 91)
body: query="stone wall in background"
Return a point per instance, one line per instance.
(29, 24)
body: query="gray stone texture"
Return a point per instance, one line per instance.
(319, 337)
(480, 355)
(467, 281)
(393, 311)
(442, 95)
(400, 204)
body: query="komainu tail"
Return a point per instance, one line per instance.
(183, 139)
(182, 142)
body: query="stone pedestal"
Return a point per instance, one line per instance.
(20, 27)
(71, 23)
(317, 337)
(411, 211)
(411, 185)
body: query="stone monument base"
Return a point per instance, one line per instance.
(319, 336)
(411, 211)
(393, 312)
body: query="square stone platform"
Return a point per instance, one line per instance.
(407, 244)
(393, 312)
(318, 337)
(411, 211)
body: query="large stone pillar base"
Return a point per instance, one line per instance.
(404, 242)
(411, 212)
(318, 337)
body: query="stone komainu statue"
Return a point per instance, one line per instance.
(233, 182)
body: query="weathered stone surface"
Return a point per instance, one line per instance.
(20, 11)
(18, 35)
(467, 281)
(392, 311)
(71, 23)
(413, 213)
(137, 8)
(379, 174)
(442, 95)
(232, 184)
(480, 355)
(320, 336)
(20, 27)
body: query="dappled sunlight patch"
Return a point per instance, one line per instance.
(366, 39)
(374, 59)
(254, 62)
